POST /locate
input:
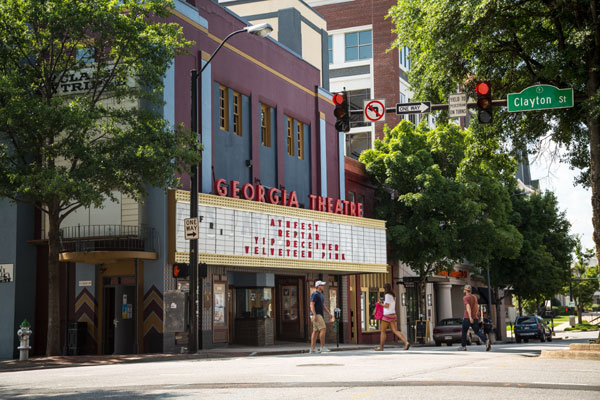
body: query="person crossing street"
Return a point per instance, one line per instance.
(470, 320)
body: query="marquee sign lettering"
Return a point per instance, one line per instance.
(284, 198)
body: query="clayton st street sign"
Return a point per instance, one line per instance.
(540, 97)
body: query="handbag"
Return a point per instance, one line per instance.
(378, 311)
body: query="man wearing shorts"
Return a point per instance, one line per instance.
(317, 306)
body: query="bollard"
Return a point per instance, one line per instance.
(24, 332)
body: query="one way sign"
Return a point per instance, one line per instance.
(191, 228)
(413, 108)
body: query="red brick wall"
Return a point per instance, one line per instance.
(385, 65)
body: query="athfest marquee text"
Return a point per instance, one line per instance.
(284, 198)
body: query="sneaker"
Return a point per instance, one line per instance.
(313, 351)
(462, 348)
(324, 350)
(488, 345)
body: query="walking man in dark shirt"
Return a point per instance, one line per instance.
(470, 319)
(317, 306)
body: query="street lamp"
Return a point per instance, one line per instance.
(260, 30)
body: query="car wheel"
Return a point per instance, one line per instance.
(518, 339)
(438, 343)
(543, 337)
(550, 338)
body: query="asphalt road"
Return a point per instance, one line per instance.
(508, 371)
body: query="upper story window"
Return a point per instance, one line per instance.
(265, 125)
(223, 108)
(403, 55)
(290, 136)
(356, 99)
(330, 48)
(237, 113)
(301, 140)
(359, 45)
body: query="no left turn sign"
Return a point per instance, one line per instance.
(374, 110)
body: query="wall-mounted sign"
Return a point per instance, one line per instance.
(6, 273)
(85, 283)
(284, 198)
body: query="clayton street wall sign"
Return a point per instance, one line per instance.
(540, 97)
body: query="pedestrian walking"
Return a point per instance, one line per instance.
(486, 325)
(317, 306)
(470, 320)
(389, 318)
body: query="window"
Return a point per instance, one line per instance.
(330, 48)
(403, 55)
(223, 108)
(356, 100)
(290, 136)
(265, 125)
(358, 46)
(237, 113)
(351, 196)
(301, 140)
(370, 292)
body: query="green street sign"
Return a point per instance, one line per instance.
(540, 97)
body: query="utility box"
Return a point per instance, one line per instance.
(176, 311)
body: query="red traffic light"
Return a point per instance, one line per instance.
(338, 99)
(181, 270)
(482, 89)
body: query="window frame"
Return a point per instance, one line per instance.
(359, 46)
(237, 113)
(300, 126)
(265, 125)
(290, 136)
(330, 48)
(223, 108)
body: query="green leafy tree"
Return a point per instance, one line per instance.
(80, 86)
(441, 197)
(542, 266)
(584, 279)
(514, 44)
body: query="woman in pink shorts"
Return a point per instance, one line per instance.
(389, 318)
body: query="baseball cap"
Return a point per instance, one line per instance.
(320, 283)
(467, 287)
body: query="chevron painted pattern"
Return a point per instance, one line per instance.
(153, 320)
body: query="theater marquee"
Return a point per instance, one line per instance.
(240, 232)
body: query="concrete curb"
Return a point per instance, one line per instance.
(571, 354)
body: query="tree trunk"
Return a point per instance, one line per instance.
(520, 306)
(422, 296)
(593, 83)
(579, 312)
(53, 341)
(499, 333)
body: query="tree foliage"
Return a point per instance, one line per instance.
(80, 93)
(514, 44)
(443, 195)
(542, 267)
(583, 279)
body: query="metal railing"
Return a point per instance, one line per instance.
(108, 238)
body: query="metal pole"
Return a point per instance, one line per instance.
(195, 319)
(489, 282)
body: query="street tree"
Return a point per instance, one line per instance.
(80, 93)
(583, 279)
(514, 44)
(440, 197)
(542, 266)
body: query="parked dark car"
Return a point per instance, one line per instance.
(450, 331)
(531, 327)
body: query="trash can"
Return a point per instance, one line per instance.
(76, 334)
(571, 320)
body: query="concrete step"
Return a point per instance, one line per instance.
(584, 347)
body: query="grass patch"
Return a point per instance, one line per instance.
(586, 326)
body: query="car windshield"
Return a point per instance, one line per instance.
(451, 321)
(526, 320)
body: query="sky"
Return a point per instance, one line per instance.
(574, 200)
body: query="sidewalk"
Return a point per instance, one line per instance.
(226, 352)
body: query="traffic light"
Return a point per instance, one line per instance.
(485, 113)
(341, 112)
(181, 270)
